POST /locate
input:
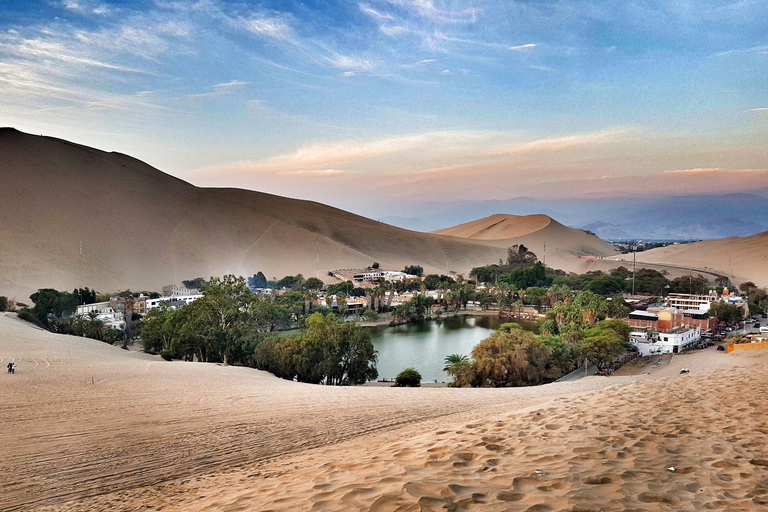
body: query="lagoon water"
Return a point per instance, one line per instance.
(425, 345)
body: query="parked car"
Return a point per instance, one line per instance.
(757, 324)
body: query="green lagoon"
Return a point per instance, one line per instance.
(424, 345)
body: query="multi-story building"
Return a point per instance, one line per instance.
(668, 319)
(174, 290)
(175, 301)
(690, 302)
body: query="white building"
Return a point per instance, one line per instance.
(373, 276)
(655, 343)
(96, 307)
(691, 302)
(174, 290)
(174, 302)
(105, 313)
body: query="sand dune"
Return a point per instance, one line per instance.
(88, 426)
(557, 245)
(498, 227)
(76, 216)
(741, 258)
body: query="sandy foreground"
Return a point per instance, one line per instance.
(88, 426)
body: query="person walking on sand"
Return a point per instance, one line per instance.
(11, 367)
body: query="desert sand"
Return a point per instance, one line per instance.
(553, 243)
(498, 227)
(740, 258)
(74, 216)
(88, 426)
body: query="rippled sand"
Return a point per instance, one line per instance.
(87, 426)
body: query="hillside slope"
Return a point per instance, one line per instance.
(557, 245)
(741, 258)
(76, 216)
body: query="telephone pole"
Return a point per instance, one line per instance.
(634, 264)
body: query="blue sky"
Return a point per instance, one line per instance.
(415, 99)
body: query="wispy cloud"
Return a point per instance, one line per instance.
(427, 9)
(232, 84)
(716, 170)
(523, 47)
(351, 63)
(322, 173)
(219, 89)
(264, 26)
(393, 30)
(755, 49)
(370, 11)
(562, 143)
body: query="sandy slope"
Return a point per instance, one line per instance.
(140, 228)
(742, 258)
(87, 426)
(76, 216)
(557, 245)
(498, 227)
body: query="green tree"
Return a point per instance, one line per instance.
(313, 284)
(409, 377)
(3, 303)
(84, 295)
(510, 358)
(375, 264)
(519, 255)
(605, 342)
(162, 326)
(725, 312)
(194, 284)
(414, 270)
(222, 320)
(290, 282)
(259, 280)
(346, 287)
(452, 359)
(49, 301)
(329, 351)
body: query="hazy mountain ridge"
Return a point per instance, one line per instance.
(674, 217)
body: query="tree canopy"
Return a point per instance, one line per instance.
(510, 358)
(415, 270)
(329, 352)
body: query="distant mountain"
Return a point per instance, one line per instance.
(607, 231)
(663, 218)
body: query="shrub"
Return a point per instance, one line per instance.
(27, 315)
(3, 303)
(166, 354)
(370, 315)
(408, 378)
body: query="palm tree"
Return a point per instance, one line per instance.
(391, 292)
(460, 370)
(453, 359)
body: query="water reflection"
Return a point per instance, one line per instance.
(425, 345)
